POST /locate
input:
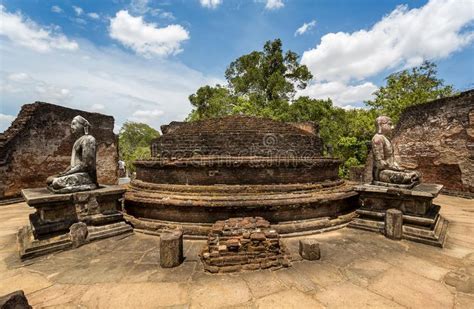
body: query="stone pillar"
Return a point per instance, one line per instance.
(309, 249)
(171, 249)
(394, 224)
(78, 233)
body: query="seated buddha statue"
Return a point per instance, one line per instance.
(386, 170)
(81, 174)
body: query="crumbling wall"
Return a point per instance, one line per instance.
(38, 144)
(238, 136)
(437, 138)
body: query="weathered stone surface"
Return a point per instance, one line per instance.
(412, 290)
(462, 280)
(39, 142)
(15, 300)
(347, 295)
(171, 249)
(394, 224)
(124, 272)
(437, 139)
(284, 300)
(417, 201)
(309, 249)
(421, 219)
(78, 233)
(62, 221)
(266, 137)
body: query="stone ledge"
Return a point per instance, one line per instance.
(39, 196)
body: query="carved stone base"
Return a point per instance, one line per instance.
(31, 247)
(421, 221)
(63, 221)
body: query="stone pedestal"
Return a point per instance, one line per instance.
(420, 220)
(394, 224)
(54, 225)
(171, 249)
(309, 249)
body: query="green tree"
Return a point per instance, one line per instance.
(211, 102)
(267, 76)
(261, 83)
(409, 87)
(134, 142)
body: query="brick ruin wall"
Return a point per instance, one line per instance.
(437, 138)
(38, 144)
(238, 136)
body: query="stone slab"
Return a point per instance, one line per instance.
(434, 235)
(30, 247)
(422, 190)
(415, 202)
(42, 196)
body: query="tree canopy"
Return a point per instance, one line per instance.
(134, 142)
(261, 83)
(409, 87)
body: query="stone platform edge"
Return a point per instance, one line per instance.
(201, 230)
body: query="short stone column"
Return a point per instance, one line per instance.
(171, 249)
(309, 249)
(394, 224)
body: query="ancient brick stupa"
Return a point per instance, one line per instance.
(239, 166)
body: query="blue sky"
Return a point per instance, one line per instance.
(139, 60)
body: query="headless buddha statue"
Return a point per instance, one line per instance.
(81, 174)
(386, 170)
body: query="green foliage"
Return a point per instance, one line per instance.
(263, 83)
(267, 76)
(409, 87)
(211, 102)
(134, 142)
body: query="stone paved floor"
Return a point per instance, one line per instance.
(358, 269)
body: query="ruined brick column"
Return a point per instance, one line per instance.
(243, 244)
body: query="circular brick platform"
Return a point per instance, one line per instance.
(238, 166)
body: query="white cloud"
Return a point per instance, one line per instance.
(5, 121)
(340, 93)
(274, 4)
(147, 116)
(56, 9)
(105, 80)
(305, 27)
(78, 10)
(25, 32)
(402, 38)
(93, 15)
(97, 107)
(212, 4)
(166, 15)
(140, 6)
(18, 76)
(146, 38)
